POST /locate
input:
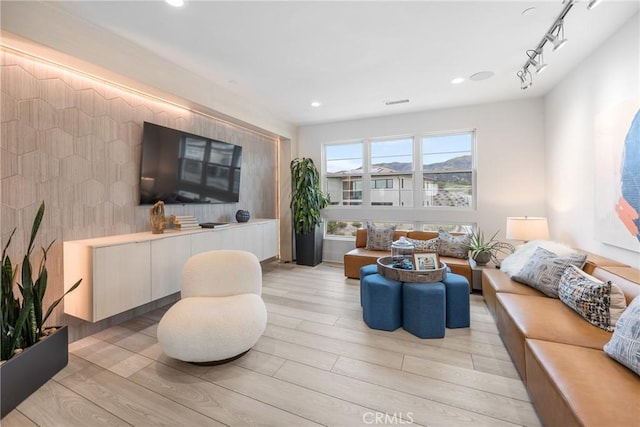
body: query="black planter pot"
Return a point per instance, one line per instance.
(28, 371)
(309, 247)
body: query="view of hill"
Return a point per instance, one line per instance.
(455, 164)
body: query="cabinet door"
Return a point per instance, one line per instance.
(167, 259)
(245, 238)
(121, 278)
(270, 239)
(205, 241)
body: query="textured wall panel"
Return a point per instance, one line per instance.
(75, 143)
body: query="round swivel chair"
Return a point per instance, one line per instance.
(220, 315)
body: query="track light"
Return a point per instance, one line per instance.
(593, 3)
(558, 39)
(539, 64)
(555, 35)
(526, 80)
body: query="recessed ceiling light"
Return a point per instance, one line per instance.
(529, 11)
(315, 104)
(457, 80)
(175, 3)
(482, 75)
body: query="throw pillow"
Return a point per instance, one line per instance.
(512, 264)
(624, 345)
(599, 303)
(453, 246)
(380, 238)
(422, 246)
(544, 270)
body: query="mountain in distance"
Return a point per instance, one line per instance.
(455, 164)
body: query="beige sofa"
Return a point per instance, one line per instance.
(570, 379)
(360, 256)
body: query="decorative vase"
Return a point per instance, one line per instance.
(242, 216)
(482, 258)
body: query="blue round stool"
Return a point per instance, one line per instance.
(423, 309)
(364, 272)
(458, 310)
(382, 302)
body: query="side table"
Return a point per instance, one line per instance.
(476, 274)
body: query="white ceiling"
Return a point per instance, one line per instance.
(354, 56)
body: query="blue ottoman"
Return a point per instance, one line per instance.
(382, 302)
(457, 288)
(364, 272)
(423, 309)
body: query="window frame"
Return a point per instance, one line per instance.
(417, 174)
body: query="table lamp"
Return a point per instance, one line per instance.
(527, 228)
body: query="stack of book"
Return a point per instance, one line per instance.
(185, 222)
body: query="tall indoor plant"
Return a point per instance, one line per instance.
(307, 200)
(27, 360)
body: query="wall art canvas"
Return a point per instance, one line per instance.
(617, 176)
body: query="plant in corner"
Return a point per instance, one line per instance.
(22, 323)
(481, 249)
(307, 200)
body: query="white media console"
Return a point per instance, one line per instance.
(126, 271)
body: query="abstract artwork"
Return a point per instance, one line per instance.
(617, 186)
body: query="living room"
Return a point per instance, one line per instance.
(535, 154)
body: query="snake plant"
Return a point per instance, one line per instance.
(22, 319)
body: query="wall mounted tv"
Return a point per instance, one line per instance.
(179, 167)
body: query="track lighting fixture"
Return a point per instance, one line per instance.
(526, 79)
(558, 39)
(593, 3)
(555, 35)
(539, 64)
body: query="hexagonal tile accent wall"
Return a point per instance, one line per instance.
(74, 142)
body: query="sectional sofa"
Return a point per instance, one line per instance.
(559, 355)
(361, 256)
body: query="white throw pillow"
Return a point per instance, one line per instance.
(512, 264)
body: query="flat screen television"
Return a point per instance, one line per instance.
(178, 167)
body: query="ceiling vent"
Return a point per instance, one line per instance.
(397, 101)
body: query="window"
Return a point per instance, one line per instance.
(382, 183)
(447, 170)
(343, 173)
(340, 228)
(404, 172)
(352, 190)
(451, 228)
(393, 159)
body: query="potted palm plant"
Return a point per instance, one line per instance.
(481, 249)
(30, 353)
(307, 200)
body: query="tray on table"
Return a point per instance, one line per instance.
(415, 276)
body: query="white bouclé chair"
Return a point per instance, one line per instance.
(220, 315)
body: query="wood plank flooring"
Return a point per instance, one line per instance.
(316, 364)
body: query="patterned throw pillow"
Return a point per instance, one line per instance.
(379, 238)
(453, 246)
(599, 303)
(624, 345)
(512, 264)
(423, 246)
(544, 270)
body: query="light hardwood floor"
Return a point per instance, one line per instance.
(316, 364)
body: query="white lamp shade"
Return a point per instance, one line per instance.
(527, 228)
